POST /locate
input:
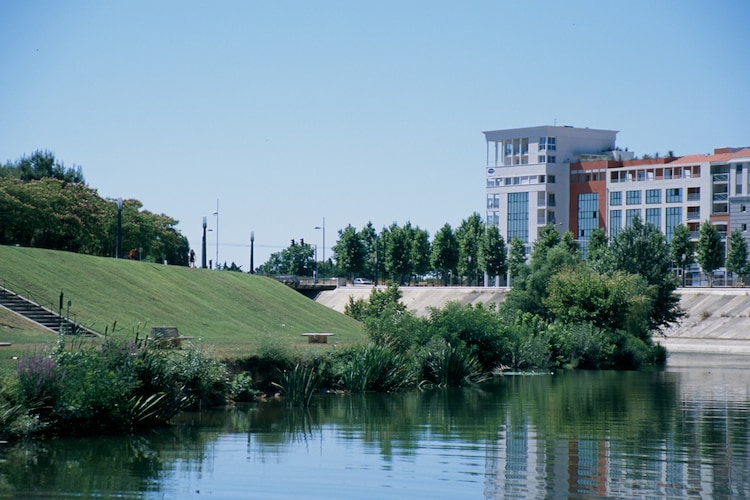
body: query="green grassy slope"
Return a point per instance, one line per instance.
(235, 312)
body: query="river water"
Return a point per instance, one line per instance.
(678, 432)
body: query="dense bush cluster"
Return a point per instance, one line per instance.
(116, 386)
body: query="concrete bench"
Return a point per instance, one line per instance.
(166, 336)
(317, 338)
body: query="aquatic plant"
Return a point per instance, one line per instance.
(448, 365)
(299, 384)
(374, 368)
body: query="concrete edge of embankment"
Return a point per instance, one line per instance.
(703, 345)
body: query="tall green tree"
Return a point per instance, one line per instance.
(597, 251)
(350, 252)
(492, 253)
(681, 249)
(547, 239)
(642, 249)
(469, 234)
(516, 258)
(737, 262)
(42, 164)
(420, 251)
(369, 238)
(570, 244)
(710, 251)
(398, 252)
(444, 258)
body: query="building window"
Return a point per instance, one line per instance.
(588, 214)
(518, 216)
(630, 215)
(551, 199)
(738, 180)
(653, 216)
(615, 198)
(551, 159)
(550, 179)
(633, 198)
(551, 144)
(653, 196)
(674, 195)
(673, 219)
(541, 179)
(542, 159)
(743, 227)
(615, 222)
(542, 143)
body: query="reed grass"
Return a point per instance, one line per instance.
(299, 384)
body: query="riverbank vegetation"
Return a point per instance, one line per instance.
(562, 312)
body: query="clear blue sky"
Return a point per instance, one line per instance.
(289, 112)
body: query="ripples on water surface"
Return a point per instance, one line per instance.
(680, 433)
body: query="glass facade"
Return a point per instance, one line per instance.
(674, 219)
(588, 214)
(615, 222)
(653, 196)
(674, 195)
(631, 214)
(518, 216)
(633, 198)
(653, 216)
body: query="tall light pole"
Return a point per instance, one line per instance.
(217, 233)
(252, 251)
(203, 255)
(323, 227)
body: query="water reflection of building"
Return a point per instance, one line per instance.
(696, 457)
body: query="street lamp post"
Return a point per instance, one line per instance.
(252, 251)
(217, 233)
(203, 254)
(323, 227)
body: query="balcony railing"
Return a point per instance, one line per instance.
(720, 177)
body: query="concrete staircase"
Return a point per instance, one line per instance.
(41, 315)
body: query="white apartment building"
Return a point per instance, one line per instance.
(578, 180)
(527, 171)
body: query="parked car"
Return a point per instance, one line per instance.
(362, 281)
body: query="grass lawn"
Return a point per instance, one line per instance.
(235, 313)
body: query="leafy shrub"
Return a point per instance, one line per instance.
(478, 327)
(241, 388)
(583, 346)
(202, 377)
(400, 331)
